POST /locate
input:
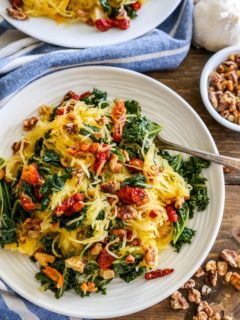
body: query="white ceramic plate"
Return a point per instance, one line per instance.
(180, 124)
(79, 35)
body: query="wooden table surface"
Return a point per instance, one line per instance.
(185, 81)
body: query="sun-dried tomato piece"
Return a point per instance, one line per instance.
(172, 214)
(104, 24)
(158, 273)
(136, 6)
(119, 118)
(133, 195)
(26, 201)
(136, 165)
(85, 95)
(70, 205)
(105, 260)
(122, 24)
(153, 214)
(31, 175)
(101, 159)
(71, 95)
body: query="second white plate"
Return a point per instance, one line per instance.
(80, 35)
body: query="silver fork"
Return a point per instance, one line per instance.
(229, 162)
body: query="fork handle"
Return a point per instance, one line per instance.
(229, 162)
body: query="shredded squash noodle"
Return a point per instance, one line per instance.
(90, 196)
(101, 13)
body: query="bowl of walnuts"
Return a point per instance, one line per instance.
(220, 87)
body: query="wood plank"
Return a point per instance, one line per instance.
(223, 294)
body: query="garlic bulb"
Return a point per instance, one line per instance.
(216, 23)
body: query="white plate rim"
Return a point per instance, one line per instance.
(217, 225)
(129, 35)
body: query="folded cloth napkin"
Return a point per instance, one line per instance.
(24, 59)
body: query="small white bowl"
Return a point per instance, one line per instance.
(210, 66)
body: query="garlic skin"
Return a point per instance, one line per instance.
(216, 24)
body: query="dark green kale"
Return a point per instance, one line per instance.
(179, 226)
(38, 147)
(136, 180)
(190, 170)
(96, 98)
(101, 215)
(7, 223)
(106, 6)
(133, 107)
(129, 272)
(185, 237)
(132, 14)
(54, 113)
(51, 157)
(52, 184)
(119, 153)
(28, 190)
(137, 129)
(89, 131)
(46, 241)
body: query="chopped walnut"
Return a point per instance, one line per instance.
(107, 274)
(194, 296)
(206, 290)
(178, 301)
(150, 255)
(16, 14)
(238, 261)
(199, 273)
(212, 277)
(228, 276)
(71, 128)
(230, 256)
(222, 268)
(30, 123)
(204, 306)
(96, 249)
(45, 110)
(75, 263)
(227, 316)
(216, 316)
(18, 145)
(201, 316)
(126, 213)
(211, 265)
(189, 284)
(235, 280)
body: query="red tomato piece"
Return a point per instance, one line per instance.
(122, 24)
(85, 95)
(104, 24)
(172, 214)
(26, 201)
(101, 159)
(31, 175)
(132, 195)
(136, 6)
(153, 214)
(105, 260)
